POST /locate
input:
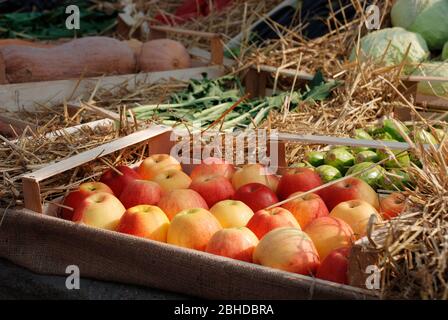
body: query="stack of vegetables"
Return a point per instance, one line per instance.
(418, 39)
(222, 101)
(391, 175)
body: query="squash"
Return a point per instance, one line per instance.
(89, 57)
(20, 42)
(162, 55)
(135, 45)
(2, 70)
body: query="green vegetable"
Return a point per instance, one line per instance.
(395, 179)
(415, 160)
(440, 134)
(445, 52)
(433, 69)
(401, 158)
(423, 136)
(389, 46)
(394, 130)
(207, 100)
(328, 173)
(340, 158)
(372, 176)
(315, 158)
(362, 135)
(367, 156)
(302, 165)
(385, 136)
(426, 17)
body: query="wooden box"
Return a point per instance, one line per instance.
(35, 238)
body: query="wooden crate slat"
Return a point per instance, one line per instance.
(15, 97)
(95, 153)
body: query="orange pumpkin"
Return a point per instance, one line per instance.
(163, 54)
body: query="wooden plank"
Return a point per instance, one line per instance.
(440, 102)
(285, 72)
(425, 78)
(31, 194)
(97, 110)
(187, 32)
(335, 141)
(14, 97)
(17, 123)
(217, 50)
(205, 55)
(95, 153)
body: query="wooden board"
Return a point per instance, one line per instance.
(15, 97)
(159, 141)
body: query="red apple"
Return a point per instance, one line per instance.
(264, 221)
(101, 210)
(145, 221)
(335, 266)
(74, 198)
(116, 181)
(256, 195)
(139, 192)
(306, 208)
(235, 243)
(177, 200)
(328, 234)
(356, 213)
(213, 166)
(193, 228)
(349, 189)
(392, 205)
(254, 173)
(297, 179)
(288, 249)
(213, 188)
(156, 164)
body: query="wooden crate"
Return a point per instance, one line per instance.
(430, 107)
(44, 237)
(26, 95)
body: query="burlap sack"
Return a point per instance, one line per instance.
(47, 245)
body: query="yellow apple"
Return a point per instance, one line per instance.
(157, 163)
(254, 173)
(172, 179)
(232, 213)
(193, 228)
(145, 221)
(101, 210)
(328, 234)
(288, 249)
(356, 213)
(235, 243)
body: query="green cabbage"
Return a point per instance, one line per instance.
(389, 46)
(445, 52)
(435, 69)
(426, 17)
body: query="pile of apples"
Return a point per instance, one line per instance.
(223, 210)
